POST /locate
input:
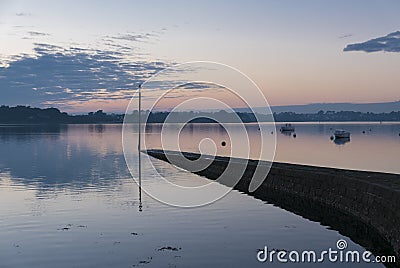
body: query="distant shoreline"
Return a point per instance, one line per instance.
(28, 115)
(213, 123)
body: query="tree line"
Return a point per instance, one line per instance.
(29, 115)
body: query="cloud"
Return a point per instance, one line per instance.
(34, 33)
(345, 36)
(195, 86)
(388, 43)
(22, 14)
(132, 37)
(68, 77)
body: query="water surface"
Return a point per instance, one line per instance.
(68, 200)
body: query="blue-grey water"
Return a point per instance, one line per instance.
(67, 199)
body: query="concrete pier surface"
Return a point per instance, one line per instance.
(364, 206)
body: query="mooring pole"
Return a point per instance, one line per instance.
(140, 147)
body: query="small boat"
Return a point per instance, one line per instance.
(341, 134)
(287, 128)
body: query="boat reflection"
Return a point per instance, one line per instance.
(287, 128)
(287, 133)
(341, 141)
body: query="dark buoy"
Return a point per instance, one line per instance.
(294, 135)
(223, 143)
(272, 132)
(332, 138)
(363, 131)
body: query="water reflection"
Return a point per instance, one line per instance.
(61, 154)
(341, 141)
(74, 156)
(25, 130)
(75, 177)
(345, 224)
(287, 133)
(310, 144)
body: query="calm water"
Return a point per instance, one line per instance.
(372, 146)
(67, 200)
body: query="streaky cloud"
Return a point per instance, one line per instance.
(34, 33)
(345, 36)
(388, 43)
(133, 37)
(22, 14)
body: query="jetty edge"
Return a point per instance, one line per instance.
(366, 204)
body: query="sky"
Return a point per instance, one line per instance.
(89, 55)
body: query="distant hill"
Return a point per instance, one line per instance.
(383, 107)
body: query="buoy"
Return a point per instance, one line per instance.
(332, 137)
(223, 143)
(272, 132)
(363, 131)
(294, 135)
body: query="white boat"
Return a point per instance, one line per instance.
(287, 128)
(341, 134)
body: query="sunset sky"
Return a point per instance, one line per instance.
(88, 55)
